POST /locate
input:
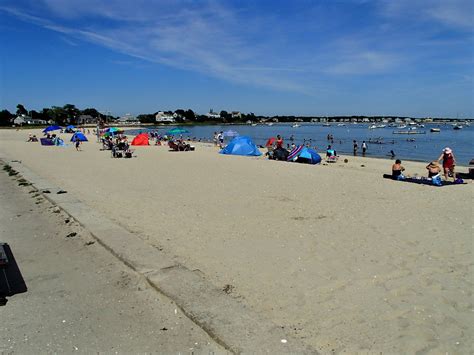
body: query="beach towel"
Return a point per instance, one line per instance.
(46, 141)
(426, 181)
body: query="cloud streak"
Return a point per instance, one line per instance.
(240, 45)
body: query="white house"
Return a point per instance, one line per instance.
(212, 114)
(162, 117)
(128, 118)
(20, 120)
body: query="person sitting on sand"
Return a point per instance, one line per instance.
(397, 170)
(433, 169)
(330, 152)
(449, 162)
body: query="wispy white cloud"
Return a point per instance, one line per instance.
(253, 48)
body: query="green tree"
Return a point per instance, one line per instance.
(6, 118)
(189, 115)
(72, 113)
(91, 112)
(21, 110)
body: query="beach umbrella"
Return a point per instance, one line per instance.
(79, 135)
(177, 130)
(231, 133)
(270, 141)
(70, 127)
(112, 131)
(52, 128)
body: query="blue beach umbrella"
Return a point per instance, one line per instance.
(79, 135)
(52, 128)
(70, 127)
(177, 130)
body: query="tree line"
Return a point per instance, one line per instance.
(70, 114)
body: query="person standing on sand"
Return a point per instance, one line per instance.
(355, 146)
(78, 143)
(449, 162)
(364, 148)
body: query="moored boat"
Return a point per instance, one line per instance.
(435, 130)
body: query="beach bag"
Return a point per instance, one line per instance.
(436, 180)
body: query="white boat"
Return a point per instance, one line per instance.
(270, 124)
(296, 125)
(326, 125)
(457, 126)
(341, 124)
(402, 126)
(435, 130)
(372, 127)
(254, 124)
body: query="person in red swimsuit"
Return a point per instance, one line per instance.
(279, 142)
(449, 162)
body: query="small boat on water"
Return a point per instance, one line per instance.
(457, 127)
(296, 125)
(435, 130)
(270, 124)
(377, 126)
(326, 125)
(341, 124)
(254, 124)
(409, 132)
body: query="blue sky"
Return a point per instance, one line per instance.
(363, 57)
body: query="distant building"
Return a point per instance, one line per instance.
(21, 120)
(212, 114)
(162, 117)
(236, 114)
(85, 119)
(128, 118)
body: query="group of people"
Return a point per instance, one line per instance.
(218, 139)
(434, 168)
(118, 145)
(355, 147)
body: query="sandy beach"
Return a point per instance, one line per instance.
(347, 260)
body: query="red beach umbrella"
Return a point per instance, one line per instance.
(270, 142)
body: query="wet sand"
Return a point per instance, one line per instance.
(345, 259)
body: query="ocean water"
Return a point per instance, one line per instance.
(419, 147)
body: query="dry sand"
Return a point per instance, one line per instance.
(345, 259)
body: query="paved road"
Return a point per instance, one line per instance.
(80, 298)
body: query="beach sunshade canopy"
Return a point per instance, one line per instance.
(302, 154)
(280, 154)
(52, 128)
(113, 130)
(241, 145)
(141, 139)
(231, 133)
(177, 130)
(270, 141)
(79, 135)
(70, 127)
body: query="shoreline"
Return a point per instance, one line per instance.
(316, 249)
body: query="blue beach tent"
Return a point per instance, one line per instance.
(241, 145)
(51, 128)
(79, 135)
(304, 155)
